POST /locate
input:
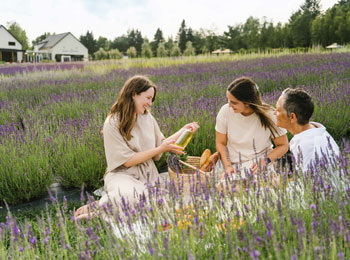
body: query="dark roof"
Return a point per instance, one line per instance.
(52, 40)
(12, 35)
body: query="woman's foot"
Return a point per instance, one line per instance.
(84, 212)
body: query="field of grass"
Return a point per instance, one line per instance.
(50, 122)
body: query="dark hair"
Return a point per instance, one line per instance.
(299, 102)
(124, 107)
(246, 91)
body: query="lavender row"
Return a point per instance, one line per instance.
(69, 107)
(299, 217)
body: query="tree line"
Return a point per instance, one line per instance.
(306, 27)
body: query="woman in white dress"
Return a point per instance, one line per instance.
(245, 128)
(132, 141)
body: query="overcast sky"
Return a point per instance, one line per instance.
(112, 18)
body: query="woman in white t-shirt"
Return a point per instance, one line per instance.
(245, 129)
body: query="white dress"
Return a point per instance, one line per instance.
(129, 182)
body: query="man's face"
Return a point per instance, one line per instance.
(282, 119)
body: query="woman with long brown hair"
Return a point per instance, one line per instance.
(132, 141)
(245, 127)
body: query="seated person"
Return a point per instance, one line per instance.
(132, 141)
(245, 128)
(311, 140)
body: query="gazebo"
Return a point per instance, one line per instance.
(334, 46)
(226, 51)
(219, 51)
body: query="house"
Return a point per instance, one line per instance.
(10, 47)
(60, 47)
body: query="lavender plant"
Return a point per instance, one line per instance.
(300, 218)
(62, 112)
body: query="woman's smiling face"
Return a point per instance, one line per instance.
(236, 105)
(143, 100)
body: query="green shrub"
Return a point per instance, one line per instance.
(115, 54)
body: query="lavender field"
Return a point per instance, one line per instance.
(50, 122)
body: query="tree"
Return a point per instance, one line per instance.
(131, 52)
(205, 50)
(146, 51)
(250, 33)
(212, 41)
(101, 54)
(333, 26)
(299, 29)
(169, 44)
(301, 23)
(182, 36)
(189, 35)
(312, 7)
(41, 38)
(175, 51)
(89, 42)
(158, 38)
(281, 37)
(266, 35)
(121, 43)
(344, 3)
(19, 33)
(102, 42)
(198, 41)
(135, 39)
(161, 50)
(189, 51)
(232, 38)
(318, 32)
(115, 54)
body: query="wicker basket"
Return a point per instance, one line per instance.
(189, 177)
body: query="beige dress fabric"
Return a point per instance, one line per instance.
(247, 140)
(119, 180)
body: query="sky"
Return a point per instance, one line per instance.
(113, 18)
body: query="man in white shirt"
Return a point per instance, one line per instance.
(311, 141)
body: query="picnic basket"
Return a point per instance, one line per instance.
(189, 176)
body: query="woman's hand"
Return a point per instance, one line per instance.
(262, 166)
(229, 171)
(168, 146)
(193, 127)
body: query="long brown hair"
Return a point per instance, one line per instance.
(124, 107)
(246, 91)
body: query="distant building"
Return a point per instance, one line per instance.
(60, 47)
(10, 47)
(220, 51)
(334, 46)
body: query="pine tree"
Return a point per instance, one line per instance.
(182, 36)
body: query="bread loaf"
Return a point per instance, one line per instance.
(211, 162)
(214, 157)
(204, 158)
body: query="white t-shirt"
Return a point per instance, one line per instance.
(247, 139)
(310, 143)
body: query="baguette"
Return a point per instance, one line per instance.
(211, 162)
(204, 158)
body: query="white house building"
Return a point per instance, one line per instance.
(10, 47)
(59, 47)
